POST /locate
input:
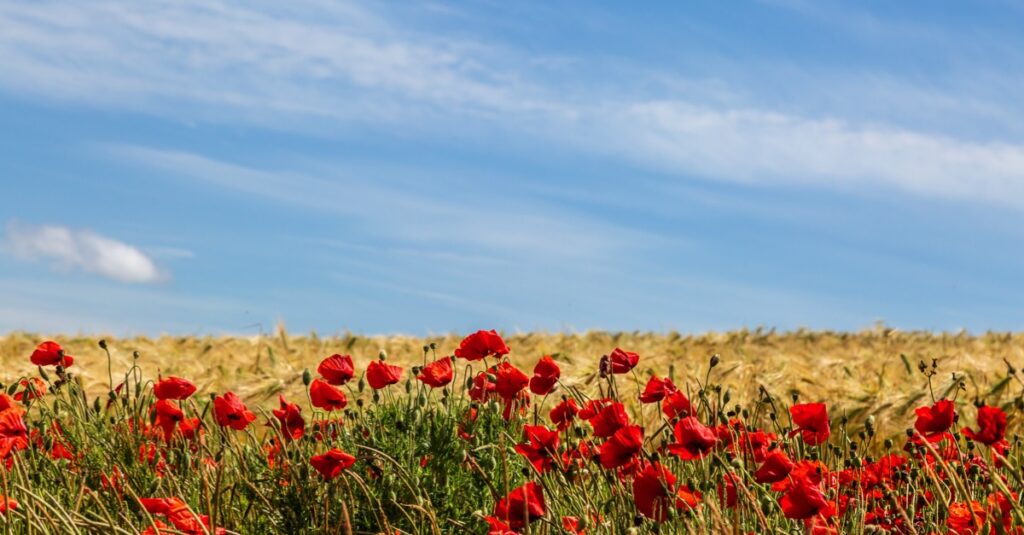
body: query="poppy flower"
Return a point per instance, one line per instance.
(727, 493)
(50, 353)
(657, 389)
(293, 426)
(776, 467)
(481, 344)
(325, 396)
(609, 420)
(438, 373)
(653, 491)
(811, 420)
(756, 443)
(676, 405)
(623, 361)
(497, 527)
(694, 440)
(482, 388)
(32, 388)
(563, 414)
(509, 380)
(991, 426)
(966, 518)
(7, 504)
(173, 388)
(522, 506)
(379, 374)
(168, 416)
(540, 448)
(229, 411)
(336, 369)
(936, 419)
(592, 407)
(804, 500)
(179, 515)
(13, 432)
(331, 464)
(622, 447)
(545, 376)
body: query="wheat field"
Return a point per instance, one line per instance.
(871, 372)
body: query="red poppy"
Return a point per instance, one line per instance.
(811, 420)
(481, 344)
(623, 361)
(438, 373)
(179, 515)
(727, 494)
(991, 426)
(540, 448)
(509, 380)
(336, 369)
(563, 414)
(676, 405)
(756, 443)
(482, 388)
(168, 416)
(497, 527)
(173, 388)
(776, 467)
(7, 504)
(522, 506)
(804, 500)
(293, 426)
(694, 440)
(592, 407)
(13, 431)
(622, 447)
(229, 411)
(935, 420)
(966, 518)
(657, 389)
(545, 376)
(651, 491)
(325, 396)
(331, 464)
(609, 420)
(379, 374)
(50, 353)
(32, 388)
(572, 525)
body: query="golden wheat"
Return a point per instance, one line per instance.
(871, 372)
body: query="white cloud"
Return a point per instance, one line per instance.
(758, 146)
(260, 62)
(69, 249)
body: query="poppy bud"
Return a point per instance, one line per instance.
(12, 389)
(307, 377)
(135, 355)
(382, 356)
(376, 396)
(715, 359)
(43, 374)
(103, 344)
(361, 385)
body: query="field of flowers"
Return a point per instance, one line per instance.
(481, 435)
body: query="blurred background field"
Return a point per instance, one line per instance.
(871, 372)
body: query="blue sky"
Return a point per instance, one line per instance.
(205, 166)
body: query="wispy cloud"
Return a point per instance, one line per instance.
(67, 249)
(258, 62)
(498, 227)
